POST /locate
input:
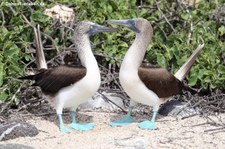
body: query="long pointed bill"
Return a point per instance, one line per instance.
(130, 23)
(96, 28)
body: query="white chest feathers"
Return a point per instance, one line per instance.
(80, 92)
(136, 89)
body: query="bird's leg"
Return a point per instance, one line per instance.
(125, 120)
(149, 124)
(61, 125)
(82, 126)
(73, 117)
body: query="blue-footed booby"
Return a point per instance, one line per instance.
(67, 86)
(147, 85)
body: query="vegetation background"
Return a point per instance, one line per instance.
(179, 27)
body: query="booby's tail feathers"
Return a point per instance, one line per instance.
(30, 77)
(184, 70)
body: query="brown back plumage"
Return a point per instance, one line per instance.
(54, 79)
(160, 81)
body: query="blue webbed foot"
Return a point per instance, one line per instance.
(82, 126)
(64, 129)
(150, 125)
(122, 122)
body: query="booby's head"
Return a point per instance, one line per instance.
(90, 28)
(137, 25)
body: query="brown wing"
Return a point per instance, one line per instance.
(52, 80)
(160, 81)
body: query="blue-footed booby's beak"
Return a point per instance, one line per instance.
(96, 28)
(130, 23)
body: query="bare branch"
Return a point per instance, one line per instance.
(157, 4)
(107, 99)
(3, 17)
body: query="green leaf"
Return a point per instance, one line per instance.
(28, 57)
(124, 45)
(192, 80)
(222, 30)
(39, 17)
(1, 73)
(213, 85)
(207, 79)
(221, 69)
(13, 50)
(3, 96)
(161, 60)
(4, 33)
(222, 78)
(185, 16)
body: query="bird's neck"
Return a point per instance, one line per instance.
(136, 52)
(85, 54)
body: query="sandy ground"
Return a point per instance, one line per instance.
(193, 132)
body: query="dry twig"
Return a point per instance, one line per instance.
(157, 4)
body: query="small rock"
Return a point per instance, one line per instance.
(100, 103)
(177, 108)
(132, 142)
(15, 129)
(15, 146)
